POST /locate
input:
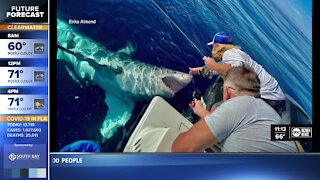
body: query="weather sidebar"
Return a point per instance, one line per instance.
(24, 55)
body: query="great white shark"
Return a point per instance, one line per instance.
(124, 80)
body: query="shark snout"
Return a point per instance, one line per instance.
(176, 81)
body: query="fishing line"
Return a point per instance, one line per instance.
(179, 29)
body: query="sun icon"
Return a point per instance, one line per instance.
(37, 104)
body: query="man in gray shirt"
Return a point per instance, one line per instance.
(241, 124)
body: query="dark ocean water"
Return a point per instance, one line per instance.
(259, 27)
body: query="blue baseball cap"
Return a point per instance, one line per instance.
(221, 38)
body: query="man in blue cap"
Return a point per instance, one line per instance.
(230, 56)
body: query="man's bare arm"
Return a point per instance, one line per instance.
(196, 139)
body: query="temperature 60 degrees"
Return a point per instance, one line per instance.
(15, 100)
(17, 72)
(18, 45)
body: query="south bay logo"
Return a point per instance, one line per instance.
(13, 157)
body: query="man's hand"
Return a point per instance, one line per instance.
(198, 109)
(196, 70)
(210, 63)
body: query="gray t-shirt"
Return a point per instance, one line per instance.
(243, 124)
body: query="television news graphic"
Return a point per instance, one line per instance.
(287, 132)
(24, 11)
(280, 132)
(24, 89)
(301, 132)
(182, 166)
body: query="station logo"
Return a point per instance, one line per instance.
(301, 132)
